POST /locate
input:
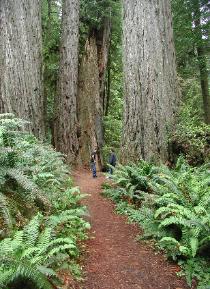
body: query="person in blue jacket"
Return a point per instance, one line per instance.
(112, 161)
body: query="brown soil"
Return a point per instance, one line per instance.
(114, 259)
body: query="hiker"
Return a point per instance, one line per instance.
(112, 161)
(93, 162)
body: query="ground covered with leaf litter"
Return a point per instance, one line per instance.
(114, 259)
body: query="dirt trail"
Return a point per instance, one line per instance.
(114, 259)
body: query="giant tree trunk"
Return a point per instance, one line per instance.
(103, 37)
(65, 129)
(46, 38)
(91, 97)
(90, 110)
(21, 90)
(151, 89)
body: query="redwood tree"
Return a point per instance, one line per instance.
(21, 90)
(90, 111)
(91, 97)
(65, 128)
(151, 89)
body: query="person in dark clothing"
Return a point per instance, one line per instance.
(93, 163)
(112, 161)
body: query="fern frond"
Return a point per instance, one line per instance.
(62, 248)
(27, 272)
(64, 217)
(23, 180)
(176, 210)
(45, 237)
(47, 271)
(31, 231)
(5, 212)
(194, 245)
(170, 241)
(30, 252)
(168, 198)
(176, 221)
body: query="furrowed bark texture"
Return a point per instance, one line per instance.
(90, 110)
(21, 90)
(65, 129)
(151, 88)
(103, 46)
(91, 97)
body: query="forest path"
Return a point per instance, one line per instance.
(114, 259)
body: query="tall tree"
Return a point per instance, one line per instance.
(202, 57)
(151, 89)
(92, 75)
(65, 129)
(89, 105)
(21, 90)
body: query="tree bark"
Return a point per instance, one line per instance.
(66, 125)
(108, 88)
(21, 90)
(103, 46)
(90, 110)
(151, 88)
(91, 96)
(46, 38)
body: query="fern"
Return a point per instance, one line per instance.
(194, 245)
(175, 220)
(5, 212)
(26, 272)
(31, 231)
(171, 206)
(34, 178)
(34, 247)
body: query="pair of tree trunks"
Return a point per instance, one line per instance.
(21, 83)
(21, 72)
(78, 126)
(151, 88)
(150, 80)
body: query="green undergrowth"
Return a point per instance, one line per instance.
(41, 219)
(172, 208)
(191, 139)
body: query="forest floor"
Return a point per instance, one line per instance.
(113, 258)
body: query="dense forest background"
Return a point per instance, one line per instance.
(78, 75)
(101, 25)
(85, 111)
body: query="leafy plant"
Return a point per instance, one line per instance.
(41, 219)
(32, 253)
(172, 207)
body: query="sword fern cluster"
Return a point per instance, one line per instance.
(171, 206)
(40, 217)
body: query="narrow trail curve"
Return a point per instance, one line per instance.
(114, 259)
